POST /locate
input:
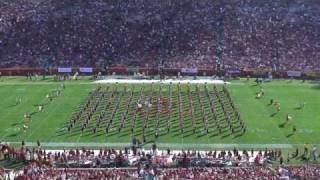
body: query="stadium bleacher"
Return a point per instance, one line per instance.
(182, 34)
(66, 39)
(138, 163)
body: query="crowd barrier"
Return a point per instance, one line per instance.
(164, 72)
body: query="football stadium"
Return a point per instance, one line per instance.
(159, 89)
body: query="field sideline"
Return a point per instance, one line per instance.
(262, 128)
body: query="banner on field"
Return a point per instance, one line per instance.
(64, 70)
(294, 73)
(86, 69)
(189, 70)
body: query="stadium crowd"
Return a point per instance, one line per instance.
(136, 156)
(250, 173)
(181, 173)
(136, 162)
(178, 34)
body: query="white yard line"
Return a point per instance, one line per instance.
(167, 81)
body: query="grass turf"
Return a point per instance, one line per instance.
(262, 128)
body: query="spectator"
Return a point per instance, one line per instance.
(176, 34)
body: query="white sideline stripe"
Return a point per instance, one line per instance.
(165, 145)
(167, 81)
(43, 83)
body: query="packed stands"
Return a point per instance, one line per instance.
(237, 34)
(137, 163)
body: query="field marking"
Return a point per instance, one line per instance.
(299, 131)
(9, 130)
(167, 81)
(43, 120)
(43, 83)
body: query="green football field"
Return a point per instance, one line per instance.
(263, 126)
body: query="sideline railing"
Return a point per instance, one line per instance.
(119, 70)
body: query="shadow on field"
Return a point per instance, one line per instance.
(173, 130)
(225, 136)
(289, 135)
(86, 134)
(297, 108)
(61, 133)
(125, 134)
(237, 136)
(16, 123)
(10, 106)
(138, 134)
(112, 133)
(72, 134)
(282, 125)
(316, 87)
(273, 114)
(201, 135)
(40, 104)
(187, 135)
(176, 134)
(214, 135)
(98, 134)
(224, 130)
(186, 132)
(33, 113)
(13, 135)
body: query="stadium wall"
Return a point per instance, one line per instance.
(155, 71)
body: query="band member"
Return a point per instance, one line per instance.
(144, 137)
(26, 117)
(289, 118)
(25, 128)
(271, 102)
(40, 108)
(18, 100)
(301, 106)
(277, 106)
(258, 96)
(294, 129)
